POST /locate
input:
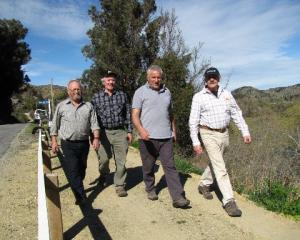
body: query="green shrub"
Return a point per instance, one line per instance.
(278, 198)
(184, 166)
(135, 144)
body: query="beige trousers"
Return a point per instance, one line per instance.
(215, 143)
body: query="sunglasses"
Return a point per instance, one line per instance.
(211, 76)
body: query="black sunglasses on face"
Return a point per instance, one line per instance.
(211, 76)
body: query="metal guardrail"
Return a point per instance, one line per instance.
(49, 208)
(43, 225)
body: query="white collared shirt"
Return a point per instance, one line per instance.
(214, 112)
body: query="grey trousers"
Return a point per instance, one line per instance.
(150, 150)
(113, 144)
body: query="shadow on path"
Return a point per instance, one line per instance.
(90, 217)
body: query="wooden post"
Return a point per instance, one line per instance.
(53, 207)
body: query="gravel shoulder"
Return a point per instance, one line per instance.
(133, 217)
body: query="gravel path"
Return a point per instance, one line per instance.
(133, 217)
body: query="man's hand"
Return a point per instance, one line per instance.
(96, 143)
(198, 150)
(144, 134)
(247, 139)
(174, 137)
(129, 138)
(54, 146)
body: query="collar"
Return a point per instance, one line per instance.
(102, 92)
(68, 101)
(207, 91)
(161, 90)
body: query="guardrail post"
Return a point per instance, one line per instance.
(46, 158)
(54, 207)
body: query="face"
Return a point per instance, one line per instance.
(212, 83)
(109, 83)
(74, 91)
(154, 79)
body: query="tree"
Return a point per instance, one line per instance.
(14, 53)
(124, 39)
(182, 72)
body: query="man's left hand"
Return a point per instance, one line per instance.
(247, 139)
(96, 143)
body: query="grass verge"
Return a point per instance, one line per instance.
(278, 198)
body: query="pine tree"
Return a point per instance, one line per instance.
(124, 39)
(14, 53)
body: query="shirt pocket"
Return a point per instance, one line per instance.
(68, 117)
(83, 123)
(227, 105)
(117, 108)
(103, 109)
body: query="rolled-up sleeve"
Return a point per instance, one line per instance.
(55, 122)
(194, 120)
(237, 117)
(94, 121)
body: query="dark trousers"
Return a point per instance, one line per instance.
(150, 150)
(74, 164)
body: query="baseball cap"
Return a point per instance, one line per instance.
(212, 71)
(110, 73)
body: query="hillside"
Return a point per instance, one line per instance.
(45, 91)
(27, 100)
(281, 101)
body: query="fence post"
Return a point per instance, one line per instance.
(53, 206)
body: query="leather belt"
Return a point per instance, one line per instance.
(115, 128)
(221, 130)
(76, 141)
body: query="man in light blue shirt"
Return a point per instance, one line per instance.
(153, 119)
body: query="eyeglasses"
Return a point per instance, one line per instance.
(75, 90)
(211, 77)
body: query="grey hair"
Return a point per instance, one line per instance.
(103, 79)
(153, 68)
(73, 80)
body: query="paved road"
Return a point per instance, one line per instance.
(7, 133)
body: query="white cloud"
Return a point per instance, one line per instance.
(66, 20)
(248, 38)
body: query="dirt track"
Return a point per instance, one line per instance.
(133, 217)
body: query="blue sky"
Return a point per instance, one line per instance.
(253, 43)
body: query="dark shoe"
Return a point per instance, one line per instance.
(81, 200)
(181, 203)
(121, 192)
(152, 196)
(204, 190)
(232, 209)
(102, 181)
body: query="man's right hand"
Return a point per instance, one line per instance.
(54, 147)
(198, 150)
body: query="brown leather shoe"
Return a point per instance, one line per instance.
(232, 209)
(152, 196)
(204, 190)
(121, 192)
(181, 203)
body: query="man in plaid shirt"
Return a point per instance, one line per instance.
(211, 111)
(114, 117)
